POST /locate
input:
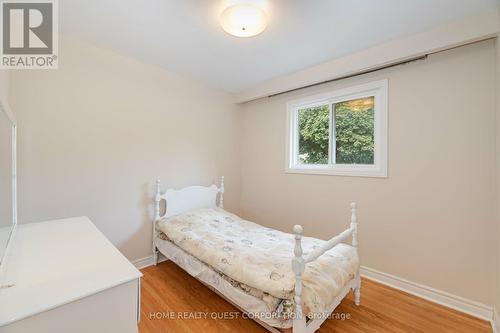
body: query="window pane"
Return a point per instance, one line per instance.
(354, 131)
(314, 131)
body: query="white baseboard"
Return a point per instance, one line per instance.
(148, 261)
(458, 303)
(143, 263)
(495, 324)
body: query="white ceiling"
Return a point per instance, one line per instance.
(184, 36)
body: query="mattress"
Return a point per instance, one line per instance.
(258, 259)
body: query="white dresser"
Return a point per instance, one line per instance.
(67, 277)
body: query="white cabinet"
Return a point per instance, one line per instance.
(65, 276)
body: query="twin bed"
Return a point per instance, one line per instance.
(283, 281)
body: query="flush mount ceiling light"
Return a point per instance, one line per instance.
(243, 20)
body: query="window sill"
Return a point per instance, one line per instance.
(351, 171)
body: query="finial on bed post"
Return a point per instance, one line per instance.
(221, 192)
(298, 267)
(157, 200)
(354, 224)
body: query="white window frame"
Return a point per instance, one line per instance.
(377, 89)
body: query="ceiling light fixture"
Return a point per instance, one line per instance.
(243, 20)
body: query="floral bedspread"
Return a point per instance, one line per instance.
(260, 257)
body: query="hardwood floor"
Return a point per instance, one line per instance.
(169, 293)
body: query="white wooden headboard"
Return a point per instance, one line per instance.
(188, 198)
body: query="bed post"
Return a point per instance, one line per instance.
(221, 192)
(354, 227)
(157, 217)
(298, 266)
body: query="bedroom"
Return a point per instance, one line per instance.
(164, 90)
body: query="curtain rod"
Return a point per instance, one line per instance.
(376, 69)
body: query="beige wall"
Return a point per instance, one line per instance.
(430, 221)
(497, 300)
(4, 84)
(95, 134)
(5, 167)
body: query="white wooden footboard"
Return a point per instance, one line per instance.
(299, 264)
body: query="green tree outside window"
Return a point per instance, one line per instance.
(354, 133)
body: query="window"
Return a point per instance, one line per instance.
(340, 133)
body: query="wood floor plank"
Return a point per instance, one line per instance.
(167, 291)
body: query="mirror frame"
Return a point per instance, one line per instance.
(4, 107)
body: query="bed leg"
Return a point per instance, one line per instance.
(357, 296)
(155, 257)
(357, 292)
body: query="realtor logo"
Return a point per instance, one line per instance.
(29, 34)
